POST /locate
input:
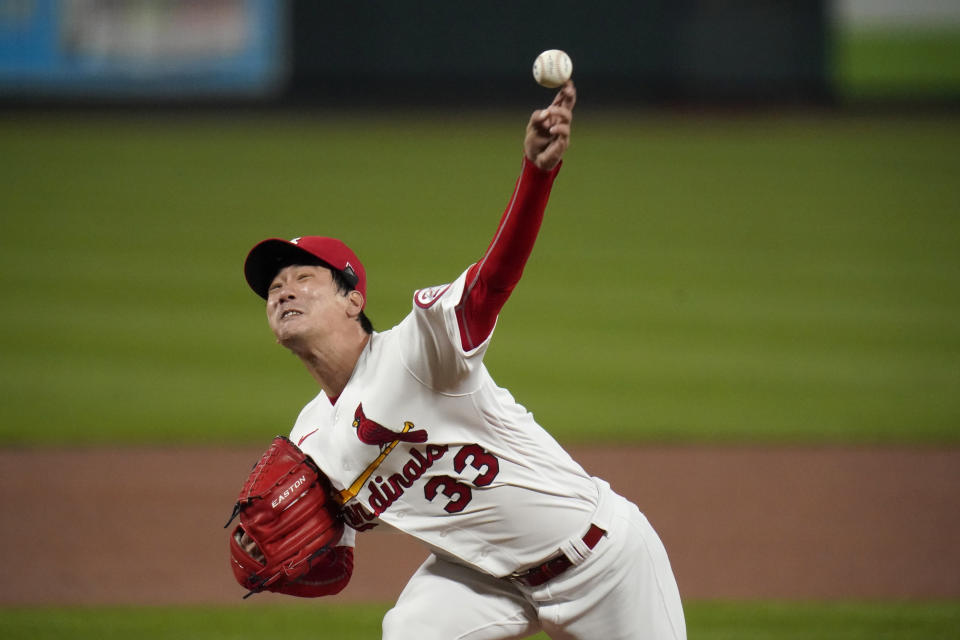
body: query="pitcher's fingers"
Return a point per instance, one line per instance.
(560, 130)
(557, 115)
(566, 94)
(566, 97)
(539, 117)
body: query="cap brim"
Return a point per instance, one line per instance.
(266, 260)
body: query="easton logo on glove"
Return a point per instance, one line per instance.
(288, 521)
(289, 492)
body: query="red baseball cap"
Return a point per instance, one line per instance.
(267, 258)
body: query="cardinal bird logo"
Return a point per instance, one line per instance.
(371, 432)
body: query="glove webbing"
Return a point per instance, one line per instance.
(263, 581)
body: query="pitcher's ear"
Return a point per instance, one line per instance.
(356, 302)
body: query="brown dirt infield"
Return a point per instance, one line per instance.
(139, 526)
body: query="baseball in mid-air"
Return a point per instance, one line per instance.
(552, 68)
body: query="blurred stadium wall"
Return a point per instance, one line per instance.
(434, 52)
(653, 50)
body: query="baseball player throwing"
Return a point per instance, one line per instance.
(414, 434)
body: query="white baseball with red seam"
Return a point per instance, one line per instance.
(552, 68)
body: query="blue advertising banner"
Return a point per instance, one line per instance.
(142, 48)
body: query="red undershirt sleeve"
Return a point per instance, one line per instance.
(490, 281)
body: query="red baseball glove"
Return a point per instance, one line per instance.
(288, 521)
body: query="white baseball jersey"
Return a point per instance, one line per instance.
(423, 440)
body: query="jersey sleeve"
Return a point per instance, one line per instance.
(429, 340)
(489, 282)
(444, 338)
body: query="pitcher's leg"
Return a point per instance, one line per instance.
(447, 601)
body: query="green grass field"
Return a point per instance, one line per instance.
(705, 621)
(897, 63)
(779, 278)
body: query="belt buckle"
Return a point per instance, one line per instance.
(591, 538)
(544, 570)
(523, 577)
(520, 576)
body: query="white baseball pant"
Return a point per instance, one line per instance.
(624, 590)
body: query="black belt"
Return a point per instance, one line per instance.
(557, 564)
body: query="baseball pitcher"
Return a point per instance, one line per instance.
(410, 432)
